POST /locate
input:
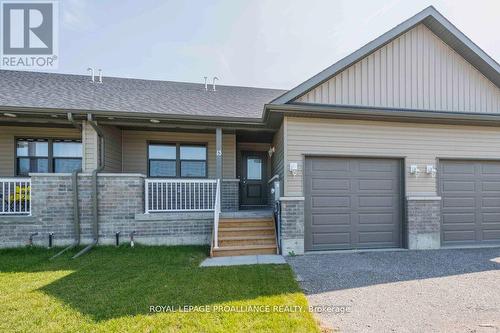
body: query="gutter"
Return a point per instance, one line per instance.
(375, 113)
(94, 191)
(138, 115)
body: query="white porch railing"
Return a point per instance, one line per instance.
(180, 195)
(15, 196)
(217, 215)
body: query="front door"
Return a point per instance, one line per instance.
(253, 183)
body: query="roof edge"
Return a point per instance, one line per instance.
(137, 115)
(350, 111)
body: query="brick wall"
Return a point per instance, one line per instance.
(424, 222)
(292, 226)
(121, 208)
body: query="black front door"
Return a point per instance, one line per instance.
(253, 181)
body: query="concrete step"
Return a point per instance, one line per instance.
(244, 250)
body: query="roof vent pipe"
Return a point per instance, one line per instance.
(91, 70)
(213, 84)
(100, 75)
(206, 84)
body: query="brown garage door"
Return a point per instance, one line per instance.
(470, 202)
(352, 203)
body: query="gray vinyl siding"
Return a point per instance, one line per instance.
(134, 149)
(419, 144)
(113, 149)
(7, 142)
(414, 71)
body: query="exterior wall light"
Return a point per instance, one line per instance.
(431, 170)
(414, 170)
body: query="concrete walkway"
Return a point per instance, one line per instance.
(243, 260)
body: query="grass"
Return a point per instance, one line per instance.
(112, 289)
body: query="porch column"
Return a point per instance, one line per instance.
(218, 153)
(90, 148)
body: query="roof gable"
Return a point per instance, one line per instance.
(416, 70)
(436, 23)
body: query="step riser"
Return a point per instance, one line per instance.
(217, 253)
(246, 220)
(239, 224)
(236, 233)
(245, 242)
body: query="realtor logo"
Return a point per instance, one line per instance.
(29, 34)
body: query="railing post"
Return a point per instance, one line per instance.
(216, 215)
(146, 196)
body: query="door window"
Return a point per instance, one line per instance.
(254, 168)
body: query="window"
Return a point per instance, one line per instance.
(32, 156)
(177, 160)
(254, 168)
(46, 155)
(67, 156)
(162, 160)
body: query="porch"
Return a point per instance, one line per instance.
(158, 186)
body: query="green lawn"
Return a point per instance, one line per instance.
(112, 289)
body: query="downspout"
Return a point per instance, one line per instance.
(76, 210)
(94, 192)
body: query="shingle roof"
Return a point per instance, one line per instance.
(77, 92)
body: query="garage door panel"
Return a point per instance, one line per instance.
(459, 186)
(378, 185)
(465, 217)
(491, 235)
(330, 185)
(458, 168)
(490, 202)
(331, 219)
(490, 186)
(490, 168)
(374, 201)
(459, 235)
(355, 208)
(380, 237)
(331, 166)
(331, 201)
(460, 202)
(379, 166)
(377, 218)
(470, 214)
(493, 217)
(325, 238)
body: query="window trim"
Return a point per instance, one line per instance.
(50, 151)
(177, 157)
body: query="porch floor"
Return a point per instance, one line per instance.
(251, 213)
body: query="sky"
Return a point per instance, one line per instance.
(258, 43)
